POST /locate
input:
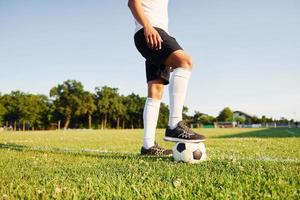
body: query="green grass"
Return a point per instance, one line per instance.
(242, 164)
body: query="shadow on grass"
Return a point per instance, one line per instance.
(266, 133)
(84, 152)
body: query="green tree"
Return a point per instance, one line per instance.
(109, 104)
(134, 110)
(2, 112)
(68, 99)
(207, 120)
(196, 117)
(187, 118)
(12, 103)
(33, 110)
(283, 120)
(248, 121)
(264, 120)
(163, 116)
(256, 120)
(118, 110)
(226, 115)
(240, 120)
(201, 118)
(88, 106)
(25, 108)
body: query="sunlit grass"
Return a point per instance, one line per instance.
(242, 164)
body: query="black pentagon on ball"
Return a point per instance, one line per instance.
(180, 147)
(197, 154)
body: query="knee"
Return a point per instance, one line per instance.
(186, 62)
(155, 91)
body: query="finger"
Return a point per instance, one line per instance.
(151, 42)
(148, 41)
(159, 42)
(155, 45)
(154, 42)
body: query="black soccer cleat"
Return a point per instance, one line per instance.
(182, 133)
(156, 150)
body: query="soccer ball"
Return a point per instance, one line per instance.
(189, 152)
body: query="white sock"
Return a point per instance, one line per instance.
(150, 116)
(177, 92)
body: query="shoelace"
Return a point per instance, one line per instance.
(187, 132)
(158, 150)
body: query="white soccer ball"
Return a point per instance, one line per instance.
(189, 152)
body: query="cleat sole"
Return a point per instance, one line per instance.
(170, 139)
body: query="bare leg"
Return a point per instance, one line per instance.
(179, 59)
(155, 89)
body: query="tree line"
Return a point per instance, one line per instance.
(70, 106)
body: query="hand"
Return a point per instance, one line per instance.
(153, 38)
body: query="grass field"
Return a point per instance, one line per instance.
(242, 164)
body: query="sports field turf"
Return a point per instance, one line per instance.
(242, 164)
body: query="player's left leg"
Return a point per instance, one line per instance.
(156, 78)
(151, 112)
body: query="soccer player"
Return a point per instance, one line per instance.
(163, 54)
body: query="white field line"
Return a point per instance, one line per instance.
(290, 132)
(272, 159)
(97, 151)
(263, 159)
(73, 150)
(19, 141)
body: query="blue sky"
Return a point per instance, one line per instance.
(246, 53)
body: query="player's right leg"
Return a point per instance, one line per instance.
(177, 130)
(158, 63)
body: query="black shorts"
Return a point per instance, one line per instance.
(155, 68)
